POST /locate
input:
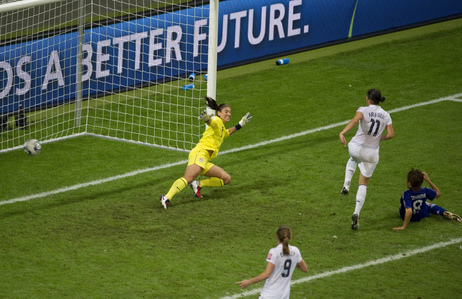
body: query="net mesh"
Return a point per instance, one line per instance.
(137, 58)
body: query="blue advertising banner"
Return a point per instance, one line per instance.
(42, 72)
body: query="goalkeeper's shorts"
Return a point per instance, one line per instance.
(200, 157)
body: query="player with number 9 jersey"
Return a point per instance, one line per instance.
(278, 284)
(280, 265)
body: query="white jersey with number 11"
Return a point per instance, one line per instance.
(371, 126)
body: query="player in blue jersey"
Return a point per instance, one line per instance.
(414, 206)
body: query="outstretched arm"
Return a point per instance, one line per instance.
(247, 117)
(349, 126)
(264, 275)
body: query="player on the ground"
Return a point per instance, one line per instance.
(207, 149)
(414, 206)
(281, 263)
(364, 147)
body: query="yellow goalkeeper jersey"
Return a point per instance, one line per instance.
(213, 136)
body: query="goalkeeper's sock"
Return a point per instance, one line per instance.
(212, 182)
(177, 186)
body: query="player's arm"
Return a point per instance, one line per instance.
(358, 116)
(241, 123)
(427, 179)
(264, 275)
(302, 266)
(390, 133)
(407, 219)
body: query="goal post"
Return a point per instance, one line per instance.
(212, 52)
(126, 70)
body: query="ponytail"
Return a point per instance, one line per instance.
(284, 234)
(212, 104)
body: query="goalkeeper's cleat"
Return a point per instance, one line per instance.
(452, 216)
(354, 222)
(196, 188)
(164, 201)
(344, 191)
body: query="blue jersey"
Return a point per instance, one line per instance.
(417, 200)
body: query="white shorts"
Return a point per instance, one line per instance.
(367, 158)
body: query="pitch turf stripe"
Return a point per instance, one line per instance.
(287, 137)
(384, 260)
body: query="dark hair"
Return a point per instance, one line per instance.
(284, 234)
(212, 104)
(415, 177)
(375, 95)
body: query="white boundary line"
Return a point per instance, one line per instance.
(358, 266)
(133, 173)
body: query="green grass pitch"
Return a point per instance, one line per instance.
(113, 240)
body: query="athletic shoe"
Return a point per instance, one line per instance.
(354, 222)
(452, 216)
(164, 201)
(344, 191)
(196, 188)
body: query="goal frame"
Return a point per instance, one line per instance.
(211, 64)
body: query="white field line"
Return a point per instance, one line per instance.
(92, 183)
(133, 173)
(357, 267)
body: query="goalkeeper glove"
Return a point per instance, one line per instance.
(243, 121)
(204, 116)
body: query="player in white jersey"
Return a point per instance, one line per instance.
(281, 263)
(364, 147)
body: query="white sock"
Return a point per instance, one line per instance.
(349, 172)
(360, 198)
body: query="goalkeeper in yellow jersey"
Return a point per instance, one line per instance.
(207, 149)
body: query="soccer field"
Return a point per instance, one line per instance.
(83, 220)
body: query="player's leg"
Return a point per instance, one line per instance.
(360, 199)
(218, 177)
(349, 172)
(201, 158)
(192, 171)
(366, 170)
(194, 168)
(436, 210)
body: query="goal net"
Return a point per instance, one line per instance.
(127, 70)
